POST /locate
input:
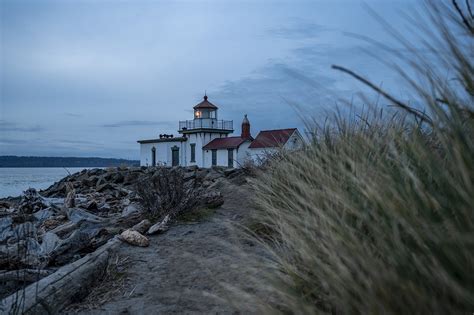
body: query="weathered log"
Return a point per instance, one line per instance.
(70, 200)
(64, 229)
(24, 275)
(71, 282)
(142, 227)
(160, 227)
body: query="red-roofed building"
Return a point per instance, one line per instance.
(270, 141)
(205, 142)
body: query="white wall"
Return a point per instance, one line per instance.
(295, 141)
(241, 154)
(222, 158)
(201, 139)
(163, 152)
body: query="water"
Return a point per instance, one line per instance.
(13, 181)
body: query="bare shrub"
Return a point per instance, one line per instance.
(165, 192)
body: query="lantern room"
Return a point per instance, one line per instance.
(205, 110)
(205, 117)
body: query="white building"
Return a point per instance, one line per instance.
(205, 142)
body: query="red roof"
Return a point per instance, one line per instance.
(224, 143)
(271, 138)
(205, 104)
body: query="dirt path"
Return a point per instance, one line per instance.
(182, 270)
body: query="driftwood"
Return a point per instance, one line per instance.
(24, 275)
(160, 227)
(51, 294)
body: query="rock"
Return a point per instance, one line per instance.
(134, 238)
(160, 227)
(142, 227)
(130, 209)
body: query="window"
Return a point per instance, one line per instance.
(214, 157)
(230, 157)
(193, 152)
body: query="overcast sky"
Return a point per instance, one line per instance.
(89, 78)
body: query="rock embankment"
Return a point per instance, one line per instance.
(42, 231)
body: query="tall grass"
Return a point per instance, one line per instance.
(376, 214)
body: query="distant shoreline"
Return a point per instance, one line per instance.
(46, 161)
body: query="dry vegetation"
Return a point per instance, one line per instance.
(165, 192)
(376, 215)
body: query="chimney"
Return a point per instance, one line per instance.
(246, 128)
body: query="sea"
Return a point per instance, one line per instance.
(13, 181)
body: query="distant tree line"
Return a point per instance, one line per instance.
(43, 161)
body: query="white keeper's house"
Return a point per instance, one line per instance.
(205, 142)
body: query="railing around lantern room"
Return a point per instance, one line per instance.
(206, 123)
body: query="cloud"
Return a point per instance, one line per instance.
(134, 123)
(6, 126)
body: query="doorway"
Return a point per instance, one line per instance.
(153, 156)
(175, 156)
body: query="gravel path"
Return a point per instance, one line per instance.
(182, 271)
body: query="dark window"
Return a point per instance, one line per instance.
(214, 157)
(175, 156)
(193, 152)
(153, 156)
(230, 157)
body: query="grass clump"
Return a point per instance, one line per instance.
(376, 215)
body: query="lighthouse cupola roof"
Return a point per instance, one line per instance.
(205, 104)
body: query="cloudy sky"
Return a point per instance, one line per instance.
(89, 78)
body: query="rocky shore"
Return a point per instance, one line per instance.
(41, 232)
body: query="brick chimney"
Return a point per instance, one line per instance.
(246, 128)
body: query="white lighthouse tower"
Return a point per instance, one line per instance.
(203, 129)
